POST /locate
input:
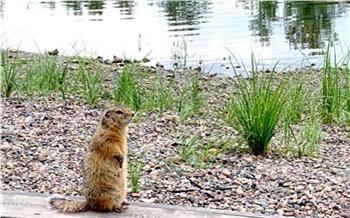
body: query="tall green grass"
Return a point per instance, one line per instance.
(162, 93)
(190, 100)
(344, 71)
(9, 72)
(92, 86)
(45, 76)
(179, 54)
(189, 148)
(331, 91)
(305, 138)
(346, 74)
(128, 91)
(299, 96)
(259, 106)
(310, 136)
(135, 168)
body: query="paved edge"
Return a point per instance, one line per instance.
(23, 204)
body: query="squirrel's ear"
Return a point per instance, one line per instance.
(107, 114)
(103, 121)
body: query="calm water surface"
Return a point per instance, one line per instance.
(284, 31)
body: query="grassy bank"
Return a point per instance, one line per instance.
(266, 112)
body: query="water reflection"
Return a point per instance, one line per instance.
(310, 24)
(1, 8)
(94, 7)
(78, 7)
(186, 16)
(75, 6)
(51, 5)
(261, 22)
(127, 9)
(306, 24)
(274, 30)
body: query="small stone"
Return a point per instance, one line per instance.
(5, 147)
(158, 64)
(61, 148)
(146, 168)
(239, 190)
(327, 189)
(171, 118)
(147, 200)
(9, 165)
(134, 194)
(42, 158)
(296, 206)
(151, 164)
(117, 60)
(108, 62)
(226, 172)
(43, 169)
(28, 119)
(263, 204)
(154, 173)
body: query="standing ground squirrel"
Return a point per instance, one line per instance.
(105, 166)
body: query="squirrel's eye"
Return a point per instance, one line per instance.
(119, 112)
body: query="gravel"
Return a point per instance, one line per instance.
(44, 139)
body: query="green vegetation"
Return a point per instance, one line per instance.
(44, 77)
(128, 92)
(189, 148)
(92, 87)
(299, 97)
(190, 100)
(163, 95)
(135, 167)
(9, 72)
(331, 92)
(259, 111)
(179, 54)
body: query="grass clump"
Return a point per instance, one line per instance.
(200, 151)
(134, 172)
(128, 91)
(9, 73)
(310, 136)
(44, 77)
(303, 138)
(331, 91)
(92, 86)
(190, 100)
(179, 54)
(188, 151)
(299, 96)
(160, 94)
(256, 110)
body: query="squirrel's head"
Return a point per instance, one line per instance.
(116, 117)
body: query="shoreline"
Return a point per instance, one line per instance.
(44, 141)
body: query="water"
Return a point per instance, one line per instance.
(196, 32)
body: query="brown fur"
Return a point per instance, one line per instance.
(105, 166)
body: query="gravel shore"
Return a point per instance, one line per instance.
(44, 139)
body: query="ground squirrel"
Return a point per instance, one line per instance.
(105, 166)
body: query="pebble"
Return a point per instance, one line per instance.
(226, 172)
(150, 200)
(5, 147)
(42, 158)
(28, 119)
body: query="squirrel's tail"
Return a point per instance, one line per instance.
(68, 206)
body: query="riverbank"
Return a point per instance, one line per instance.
(181, 154)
